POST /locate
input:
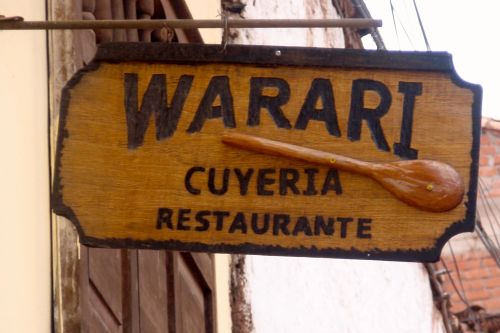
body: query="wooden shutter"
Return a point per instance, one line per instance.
(146, 291)
(141, 290)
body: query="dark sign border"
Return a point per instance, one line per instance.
(275, 56)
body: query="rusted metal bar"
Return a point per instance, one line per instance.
(17, 23)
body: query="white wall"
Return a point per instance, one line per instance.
(329, 295)
(288, 9)
(206, 10)
(24, 175)
(334, 295)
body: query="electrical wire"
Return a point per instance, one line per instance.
(421, 26)
(494, 204)
(491, 244)
(459, 294)
(462, 296)
(394, 23)
(488, 210)
(460, 280)
(487, 242)
(396, 16)
(457, 270)
(406, 32)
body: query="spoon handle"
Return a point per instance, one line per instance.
(282, 149)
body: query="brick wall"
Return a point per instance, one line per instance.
(489, 159)
(481, 281)
(479, 273)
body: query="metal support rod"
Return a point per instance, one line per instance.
(16, 23)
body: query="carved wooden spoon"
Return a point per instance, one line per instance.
(428, 185)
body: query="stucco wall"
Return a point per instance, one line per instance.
(334, 295)
(283, 9)
(24, 175)
(206, 10)
(328, 295)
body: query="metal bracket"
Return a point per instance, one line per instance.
(18, 23)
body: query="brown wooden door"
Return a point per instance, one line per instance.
(144, 291)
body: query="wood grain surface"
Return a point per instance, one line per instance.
(126, 178)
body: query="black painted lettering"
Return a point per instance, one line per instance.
(211, 181)
(244, 179)
(311, 187)
(302, 225)
(219, 222)
(218, 87)
(344, 221)
(238, 224)
(288, 180)
(332, 182)
(320, 88)
(271, 103)
(164, 217)
(255, 223)
(153, 100)
(321, 226)
(187, 179)
(281, 222)
(262, 181)
(182, 217)
(166, 122)
(364, 228)
(403, 148)
(359, 112)
(200, 217)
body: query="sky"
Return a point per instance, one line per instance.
(465, 29)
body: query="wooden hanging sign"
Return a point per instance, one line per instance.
(269, 150)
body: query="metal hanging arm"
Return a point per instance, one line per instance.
(18, 23)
